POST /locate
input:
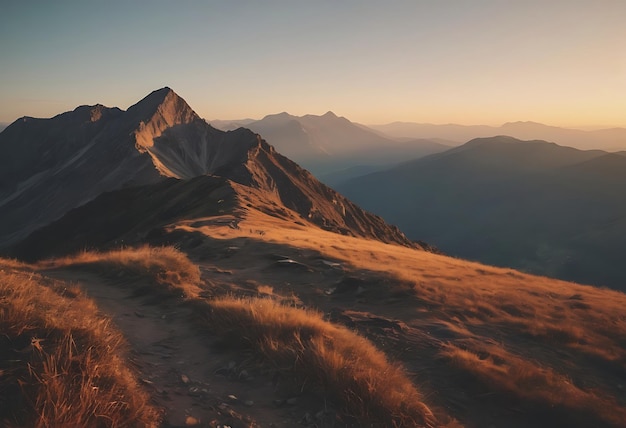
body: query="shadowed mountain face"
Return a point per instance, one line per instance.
(50, 166)
(531, 205)
(128, 216)
(329, 145)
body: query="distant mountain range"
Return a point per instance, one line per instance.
(613, 139)
(531, 205)
(331, 146)
(336, 149)
(52, 166)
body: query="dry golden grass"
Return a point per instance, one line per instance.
(527, 381)
(61, 364)
(346, 366)
(13, 264)
(582, 318)
(559, 344)
(165, 267)
(542, 343)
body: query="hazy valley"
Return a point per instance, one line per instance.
(609, 139)
(333, 148)
(161, 272)
(531, 205)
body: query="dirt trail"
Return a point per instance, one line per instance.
(190, 378)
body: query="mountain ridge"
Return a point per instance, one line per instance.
(159, 137)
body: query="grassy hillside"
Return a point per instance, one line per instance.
(384, 334)
(476, 336)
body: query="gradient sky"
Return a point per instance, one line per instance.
(561, 62)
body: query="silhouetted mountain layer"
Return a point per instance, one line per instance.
(611, 139)
(531, 205)
(127, 216)
(327, 144)
(50, 166)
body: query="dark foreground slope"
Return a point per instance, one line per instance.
(530, 205)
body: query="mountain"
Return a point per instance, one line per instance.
(530, 205)
(327, 144)
(197, 277)
(230, 125)
(51, 166)
(612, 139)
(451, 132)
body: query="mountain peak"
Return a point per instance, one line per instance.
(523, 122)
(528, 126)
(164, 100)
(283, 116)
(159, 110)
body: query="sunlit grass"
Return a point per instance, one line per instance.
(346, 366)
(508, 327)
(554, 345)
(62, 364)
(526, 380)
(166, 267)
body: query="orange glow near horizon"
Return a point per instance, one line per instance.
(484, 62)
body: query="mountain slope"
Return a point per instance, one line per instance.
(141, 214)
(51, 166)
(530, 205)
(486, 346)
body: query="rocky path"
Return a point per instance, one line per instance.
(195, 383)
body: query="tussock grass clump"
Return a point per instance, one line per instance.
(164, 266)
(13, 264)
(347, 366)
(528, 381)
(61, 364)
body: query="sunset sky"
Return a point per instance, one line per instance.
(561, 62)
